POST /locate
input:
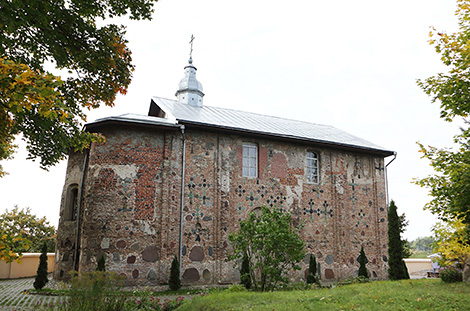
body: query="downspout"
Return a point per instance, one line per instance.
(183, 160)
(386, 177)
(79, 208)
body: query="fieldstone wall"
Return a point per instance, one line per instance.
(132, 197)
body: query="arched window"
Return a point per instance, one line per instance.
(312, 167)
(71, 203)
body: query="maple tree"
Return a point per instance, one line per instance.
(450, 186)
(47, 110)
(21, 231)
(449, 237)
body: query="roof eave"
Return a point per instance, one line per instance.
(120, 120)
(382, 152)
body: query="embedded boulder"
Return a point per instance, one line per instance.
(150, 254)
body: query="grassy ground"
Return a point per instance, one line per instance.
(385, 295)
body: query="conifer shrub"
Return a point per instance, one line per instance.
(397, 269)
(101, 264)
(174, 282)
(362, 264)
(312, 276)
(41, 274)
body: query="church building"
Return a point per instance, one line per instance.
(178, 181)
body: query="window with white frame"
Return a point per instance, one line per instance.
(250, 160)
(312, 167)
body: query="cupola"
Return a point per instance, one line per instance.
(190, 89)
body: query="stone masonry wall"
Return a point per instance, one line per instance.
(132, 198)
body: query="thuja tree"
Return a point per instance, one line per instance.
(101, 264)
(271, 244)
(362, 264)
(174, 282)
(397, 269)
(312, 276)
(41, 275)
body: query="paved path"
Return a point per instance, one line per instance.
(12, 296)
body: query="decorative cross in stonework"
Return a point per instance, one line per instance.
(380, 168)
(327, 212)
(197, 214)
(191, 42)
(361, 216)
(204, 197)
(353, 196)
(251, 198)
(191, 186)
(318, 191)
(366, 189)
(239, 208)
(310, 210)
(191, 197)
(240, 191)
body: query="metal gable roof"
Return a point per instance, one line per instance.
(261, 124)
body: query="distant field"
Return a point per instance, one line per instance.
(421, 294)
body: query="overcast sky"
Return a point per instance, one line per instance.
(349, 64)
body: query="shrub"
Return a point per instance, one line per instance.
(174, 282)
(362, 264)
(312, 276)
(96, 290)
(397, 268)
(451, 275)
(272, 246)
(41, 275)
(101, 264)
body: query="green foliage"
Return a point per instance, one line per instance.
(41, 275)
(451, 275)
(271, 245)
(20, 232)
(450, 186)
(174, 282)
(362, 264)
(397, 268)
(245, 276)
(312, 276)
(101, 264)
(421, 247)
(71, 35)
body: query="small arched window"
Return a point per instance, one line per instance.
(71, 203)
(312, 167)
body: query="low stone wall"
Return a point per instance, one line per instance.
(26, 268)
(417, 264)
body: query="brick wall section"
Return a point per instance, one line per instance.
(133, 197)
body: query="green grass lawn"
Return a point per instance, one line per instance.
(384, 295)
